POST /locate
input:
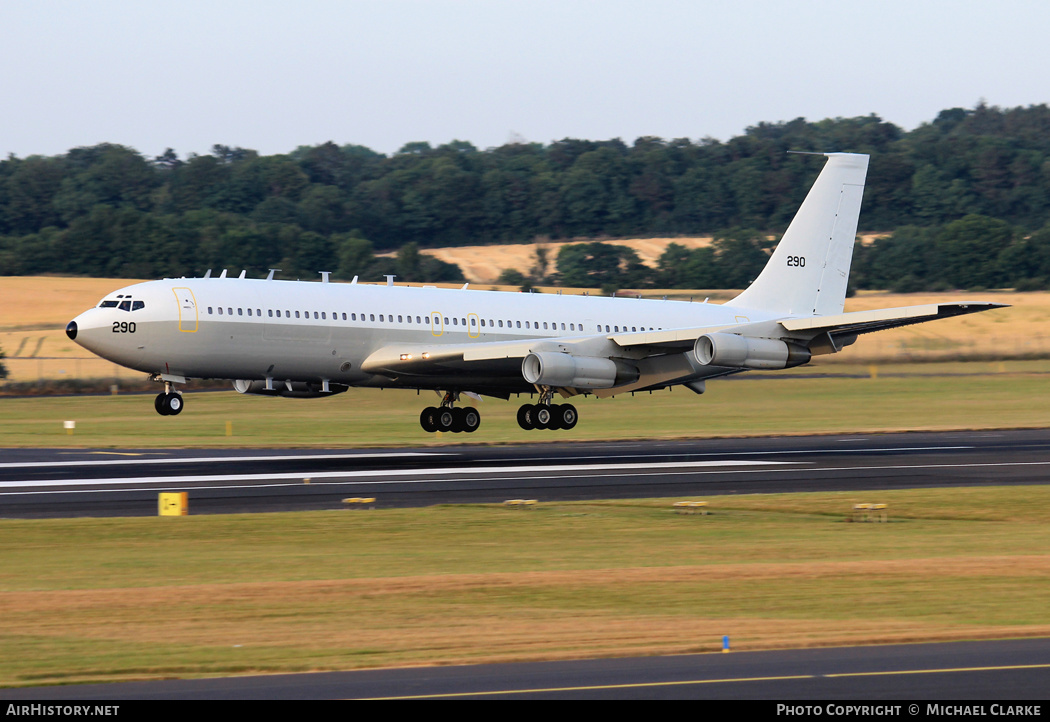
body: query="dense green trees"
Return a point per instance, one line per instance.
(106, 210)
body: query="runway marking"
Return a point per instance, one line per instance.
(210, 459)
(629, 685)
(407, 454)
(380, 473)
(314, 476)
(728, 680)
(772, 453)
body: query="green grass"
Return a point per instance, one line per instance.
(884, 398)
(100, 599)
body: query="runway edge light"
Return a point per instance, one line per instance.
(173, 503)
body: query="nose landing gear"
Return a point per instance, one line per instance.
(169, 402)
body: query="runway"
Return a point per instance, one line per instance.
(125, 482)
(1003, 672)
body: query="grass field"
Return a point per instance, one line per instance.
(899, 398)
(108, 599)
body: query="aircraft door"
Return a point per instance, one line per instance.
(473, 325)
(437, 323)
(187, 303)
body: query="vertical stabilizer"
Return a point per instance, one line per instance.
(808, 272)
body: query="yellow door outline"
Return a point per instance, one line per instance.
(473, 325)
(189, 319)
(437, 323)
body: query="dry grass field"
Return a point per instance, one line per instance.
(484, 264)
(34, 312)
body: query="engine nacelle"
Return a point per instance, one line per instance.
(580, 372)
(741, 352)
(295, 389)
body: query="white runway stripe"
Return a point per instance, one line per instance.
(380, 473)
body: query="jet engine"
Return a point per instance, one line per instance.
(296, 389)
(741, 352)
(580, 372)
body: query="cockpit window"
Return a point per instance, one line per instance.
(125, 305)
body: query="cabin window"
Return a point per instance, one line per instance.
(240, 311)
(473, 322)
(353, 317)
(249, 312)
(371, 316)
(297, 314)
(344, 316)
(399, 319)
(220, 310)
(417, 320)
(210, 312)
(519, 323)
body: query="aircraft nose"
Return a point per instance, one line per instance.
(71, 330)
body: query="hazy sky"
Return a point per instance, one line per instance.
(275, 75)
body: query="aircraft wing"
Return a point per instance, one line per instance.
(838, 325)
(635, 360)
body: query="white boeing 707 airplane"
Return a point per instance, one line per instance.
(314, 339)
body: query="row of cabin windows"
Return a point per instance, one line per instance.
(323, 316)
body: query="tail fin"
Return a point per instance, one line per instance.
(808, 272)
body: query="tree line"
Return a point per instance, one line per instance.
(106, 210)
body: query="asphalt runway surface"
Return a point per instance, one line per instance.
(126, 482)
(1005, 672)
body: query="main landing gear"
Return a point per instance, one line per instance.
(168, 403)
(448, 418)
(546, 415)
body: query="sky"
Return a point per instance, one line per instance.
(272, 76)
